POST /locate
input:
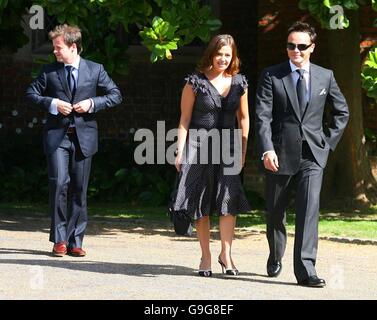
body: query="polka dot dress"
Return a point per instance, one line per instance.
(205, 187)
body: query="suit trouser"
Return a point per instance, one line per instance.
(68, 173)
(307, 184)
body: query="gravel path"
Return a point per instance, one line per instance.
(145, 260)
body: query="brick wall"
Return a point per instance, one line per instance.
(14, 113)
(151, 93)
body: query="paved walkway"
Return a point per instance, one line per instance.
(143, 260)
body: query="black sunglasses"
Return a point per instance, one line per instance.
(301, 46)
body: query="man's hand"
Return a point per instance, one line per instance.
(270, 161)
(63, 107)
(82, 106)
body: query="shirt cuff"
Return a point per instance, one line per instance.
(91, 109)
(264, 153)
(53, 109)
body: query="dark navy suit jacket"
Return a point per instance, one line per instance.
(93, 82)
(280, 126)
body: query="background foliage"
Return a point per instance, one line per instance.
(320, 9)
(110, 26)
(369, 74)
(114, 177)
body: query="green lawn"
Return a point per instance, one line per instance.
(342, 224)
(354, 225)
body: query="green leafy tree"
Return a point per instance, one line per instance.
(11, 32)
(369, 74)
(164, 25)
(178, 25)
(321, 9)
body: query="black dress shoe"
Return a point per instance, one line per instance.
(313, 281)
(274, 269)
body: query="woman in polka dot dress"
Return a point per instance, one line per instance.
(213, 100)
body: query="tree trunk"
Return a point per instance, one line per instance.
(348, 181)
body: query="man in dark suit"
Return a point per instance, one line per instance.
(294, 148)
(67, 90)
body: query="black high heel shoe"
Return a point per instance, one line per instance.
(229, 272)
(205, 272)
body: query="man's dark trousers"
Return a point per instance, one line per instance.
(306, 183)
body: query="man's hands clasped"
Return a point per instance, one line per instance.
(66, 108)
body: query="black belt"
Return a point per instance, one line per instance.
(71, 130)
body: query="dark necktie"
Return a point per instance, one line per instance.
(71, 80)
(301, 91)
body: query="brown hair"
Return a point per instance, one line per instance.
(71, 35)
(300, 26)
(216, 43)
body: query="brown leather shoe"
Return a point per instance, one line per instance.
(76, 252)
(59, 249)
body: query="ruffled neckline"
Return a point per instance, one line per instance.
(215, 89)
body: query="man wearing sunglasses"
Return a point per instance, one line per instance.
(294, 146)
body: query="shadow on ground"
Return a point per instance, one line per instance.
(106, 226)
(129, 269)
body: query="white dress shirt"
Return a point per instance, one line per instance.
(295, 75)
(75, 72)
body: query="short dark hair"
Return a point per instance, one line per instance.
(71, 35)
(300, 26)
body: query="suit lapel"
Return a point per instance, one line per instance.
(84, 72)
(63, 79)
(314, 86)
(290, 89)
